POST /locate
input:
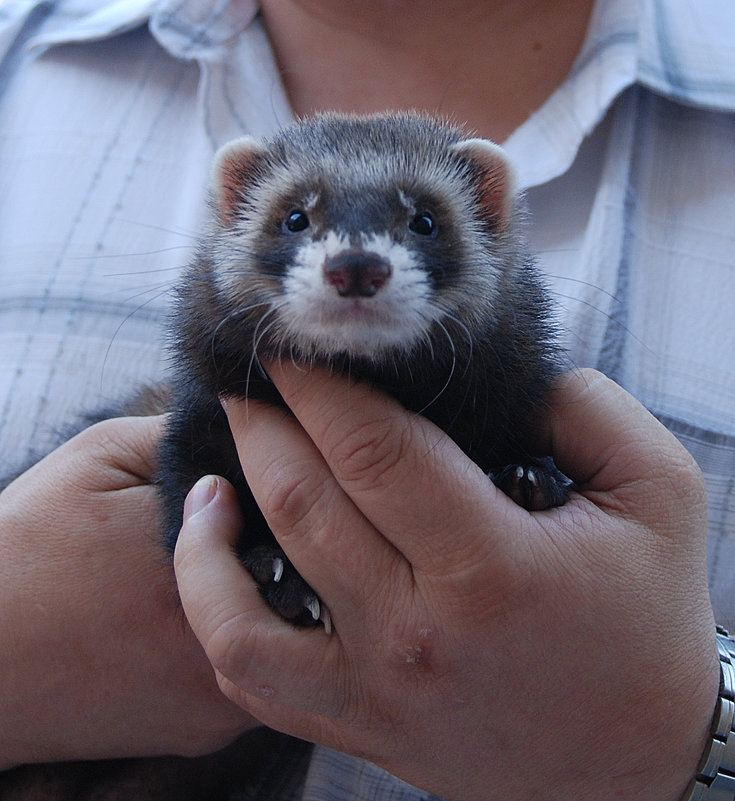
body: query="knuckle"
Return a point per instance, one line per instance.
(289, 495)
(683, 494)
(123, 444)
(229, 647)
(370, 454)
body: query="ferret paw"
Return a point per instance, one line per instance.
(535, 486)
(283, 588)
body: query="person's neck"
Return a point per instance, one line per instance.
(485, 64)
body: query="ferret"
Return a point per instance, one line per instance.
(390, 248)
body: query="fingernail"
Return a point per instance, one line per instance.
(200, 495)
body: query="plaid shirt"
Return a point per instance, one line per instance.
(105, 146)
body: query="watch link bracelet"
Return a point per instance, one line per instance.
(715, 779)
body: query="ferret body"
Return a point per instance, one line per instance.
(390, 248)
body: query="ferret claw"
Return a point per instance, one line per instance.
(326, 619)
(277, 569)
(314, 608)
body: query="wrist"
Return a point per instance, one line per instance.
(715, 779)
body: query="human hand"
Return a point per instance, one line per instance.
(96, 657)
(479, 651)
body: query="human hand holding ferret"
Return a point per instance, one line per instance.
(478, 650)
(96, 658)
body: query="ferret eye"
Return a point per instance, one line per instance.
(296, 221)
(423, 224)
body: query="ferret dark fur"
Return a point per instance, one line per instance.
(389, 247)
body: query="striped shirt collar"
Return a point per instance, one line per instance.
(666, 47)
(679, 50)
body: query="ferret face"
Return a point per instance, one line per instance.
(356, 294)
(359, 236)
(358, 269)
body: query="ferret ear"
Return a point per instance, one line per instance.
(232, 172)
(497, 179)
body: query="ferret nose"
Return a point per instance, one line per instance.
(357, 275)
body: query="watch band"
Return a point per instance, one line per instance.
(715, 779)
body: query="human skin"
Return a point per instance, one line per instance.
(96, 656)
(487, 64)
(562, 654)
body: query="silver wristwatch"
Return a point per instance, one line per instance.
(715, 779)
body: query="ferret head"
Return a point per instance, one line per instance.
(361, 236)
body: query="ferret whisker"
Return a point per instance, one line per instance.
(302, 365)
(447, 314)
(609, 317)
(292, 358)
(134, 255)
(259, 333)
(583, 283)
(163, 229)
(428, 339)
(452, 367)
(161, 290)
(233, 315)
(150, 271)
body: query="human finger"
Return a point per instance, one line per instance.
(618, 454)
(405, 475)
(243, 640)
(331, 543)
(124, 447)
(92, 590)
